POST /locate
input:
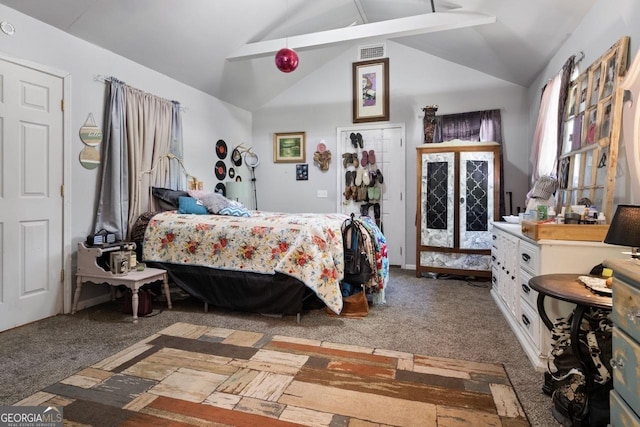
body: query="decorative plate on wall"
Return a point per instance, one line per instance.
(232, 172)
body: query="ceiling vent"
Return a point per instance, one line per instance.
(371, 52)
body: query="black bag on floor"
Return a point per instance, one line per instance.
(145, 302)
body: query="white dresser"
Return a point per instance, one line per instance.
(625, 396)
(517, 258)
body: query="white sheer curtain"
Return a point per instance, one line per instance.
(140, 129)
(544, 152)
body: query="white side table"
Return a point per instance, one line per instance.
(134, 280)
(90, 271)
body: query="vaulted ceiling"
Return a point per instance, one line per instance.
(193, 41)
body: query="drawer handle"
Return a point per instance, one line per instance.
(526, 320)
(617, 363)
(494, 279)
(493, 257)
(526, 288)
(494, 237)
(526, 257)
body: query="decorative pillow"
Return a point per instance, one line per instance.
(189, 205)
(235, 209)
(215, 202)
(167, 198)
(199, 194)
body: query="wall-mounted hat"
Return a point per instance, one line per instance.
(221, 149)
(220, 170)
(544, 187)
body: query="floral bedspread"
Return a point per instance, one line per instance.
(305, 246)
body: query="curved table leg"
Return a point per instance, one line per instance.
(167, 294)
(543, 313)
(76, 296)
(547, 387)
(134, 304)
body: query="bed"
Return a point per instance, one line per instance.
(268, 262)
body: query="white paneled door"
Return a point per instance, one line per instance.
(386, 142)
(31, 203)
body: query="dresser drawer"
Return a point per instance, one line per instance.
(530, 323)
(527, 294)
(529, 257)
(621, 414)
(626, 303)
(626, 378)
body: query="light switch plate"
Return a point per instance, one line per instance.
(322, 194)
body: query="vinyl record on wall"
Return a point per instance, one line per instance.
(221, 149)
(221, 188)
(221, 170)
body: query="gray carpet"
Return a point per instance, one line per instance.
(446, 318)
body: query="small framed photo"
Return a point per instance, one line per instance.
(302, 172)
(371, 90)
(289, 147)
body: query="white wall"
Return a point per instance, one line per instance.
(205, 120)
(322, 102)
(604, 25)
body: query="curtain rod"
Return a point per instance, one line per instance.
(104, 79)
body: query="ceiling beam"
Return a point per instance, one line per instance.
(411, 25)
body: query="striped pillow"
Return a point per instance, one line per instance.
(235, 210)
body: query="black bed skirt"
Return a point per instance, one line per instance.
(243, 291)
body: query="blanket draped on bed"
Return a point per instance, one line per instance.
(305, 246)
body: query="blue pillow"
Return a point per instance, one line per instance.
(189, 205)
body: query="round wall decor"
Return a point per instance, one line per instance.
(221, 188)
(221, 170)
(221, 149)
(90, 134)
(90, 157)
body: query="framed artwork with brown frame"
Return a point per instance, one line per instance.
(289, 147)
(371, 90)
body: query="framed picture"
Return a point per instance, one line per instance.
(289, 147)
(302, 172)
(371, 90)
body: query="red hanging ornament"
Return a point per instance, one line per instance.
(286, 60)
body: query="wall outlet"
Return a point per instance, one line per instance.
(322, 194)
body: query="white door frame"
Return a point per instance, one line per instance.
(376, 126)
(66, 170)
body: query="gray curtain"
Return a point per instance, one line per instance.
(113, 199)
